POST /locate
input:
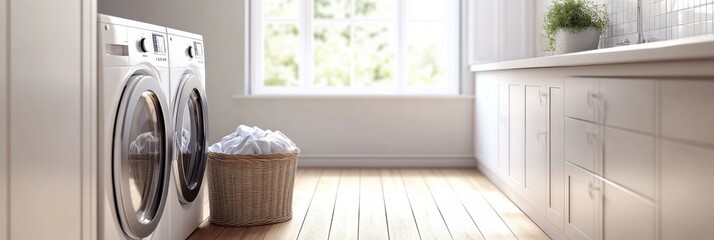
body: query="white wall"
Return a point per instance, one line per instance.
(42, 104)
(4, 176)
(541, 7)
(502, 30)
(330, 130)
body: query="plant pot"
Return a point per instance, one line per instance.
(568, 42)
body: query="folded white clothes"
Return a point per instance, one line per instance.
(145, 143)
(253, 140)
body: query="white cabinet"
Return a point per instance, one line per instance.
(599, 209)
(583, 192)
(626, 215)
(629, 160)
(516, 134)
(536, 135)
(486, 144)
(46, 110)
(581, 98)
(627, 103)
(503, 128)
(607, 158)
(687, 211)
(555, 205)
(687, 112)
(581, 144)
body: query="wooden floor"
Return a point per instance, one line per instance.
(391, 204)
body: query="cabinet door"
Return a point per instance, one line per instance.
(582, 211)
(626, 215)
(581, 144)
(581, 98)
(556, 159)
(629, 160)
(516, 132)
(486, 121)
(628, 103)
(687, 112)
(686, 205)
(503, 122)
(536, 136)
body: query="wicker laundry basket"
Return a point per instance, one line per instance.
(141, 170)
(249, 190)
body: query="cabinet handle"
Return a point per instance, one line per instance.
(540, 135)
(591, 188)
(591, 137)
(543, 97)
(591, 96)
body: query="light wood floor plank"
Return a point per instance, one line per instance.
(457, 219)
(345, 219)
(206, 231)
(319, 217)
(372, 217)
(256, 232)
(519, 223)
(391, 204)
(303, 192)
(230, 233)
(429, 221)
(399, 212)
(485, 217)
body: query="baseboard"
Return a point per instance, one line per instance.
(533, 213)
(386, 161)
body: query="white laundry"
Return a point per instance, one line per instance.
(145, 143)
(184, 140)
(253, 140)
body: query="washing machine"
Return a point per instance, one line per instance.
(190, 113)
(134, 130)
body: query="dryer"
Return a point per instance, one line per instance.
(134, 130)
(190, 123)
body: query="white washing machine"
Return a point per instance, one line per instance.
(135, 146)
(190, 123)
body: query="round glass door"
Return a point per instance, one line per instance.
(190, 137)
(141, 162)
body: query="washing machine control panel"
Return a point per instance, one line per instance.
(195, 50)
(159, 44)
(126, 43)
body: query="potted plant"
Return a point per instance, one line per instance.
(574, 25)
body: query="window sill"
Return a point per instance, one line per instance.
(353, 97)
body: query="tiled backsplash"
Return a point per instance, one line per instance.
(661, 20)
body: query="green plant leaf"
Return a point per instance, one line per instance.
(573, 16)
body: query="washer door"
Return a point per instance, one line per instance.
(190, 136)
(141, 159)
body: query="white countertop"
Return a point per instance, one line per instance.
(700, 47)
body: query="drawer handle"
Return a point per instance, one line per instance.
(591, 96)
(591, 137)
(591, 188)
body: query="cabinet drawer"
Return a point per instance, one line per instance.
(579, 102)
(687, 111)
(626, 215)
(581, 143)
(628, 103)
(629, 160)
(583, 201)
(686, 197)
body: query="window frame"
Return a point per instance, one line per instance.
(305, 56)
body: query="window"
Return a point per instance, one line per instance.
(354, 46)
